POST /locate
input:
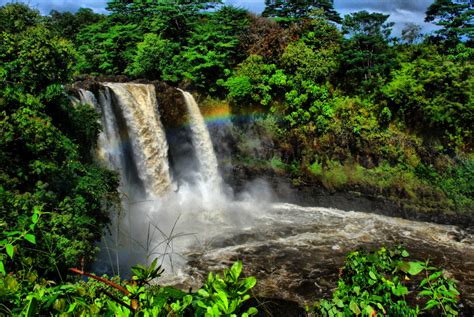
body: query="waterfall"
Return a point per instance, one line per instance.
(109, 136)
(133, 141)
(206, 156)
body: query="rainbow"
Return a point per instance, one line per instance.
(221, 114)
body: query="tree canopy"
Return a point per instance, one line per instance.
(455, 19)
(297, 9)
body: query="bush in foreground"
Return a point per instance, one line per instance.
(385, 283)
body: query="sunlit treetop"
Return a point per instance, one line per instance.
(455, 18)
(296, 9)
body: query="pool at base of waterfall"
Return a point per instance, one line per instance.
(296, 252)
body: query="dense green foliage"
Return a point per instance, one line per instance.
(293, 10)
(385, 283)
(67, 24)
(347, 107)
(45, 150)
(455, 19)
(26, 294)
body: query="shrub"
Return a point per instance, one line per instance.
(25, 293)
(379, 283)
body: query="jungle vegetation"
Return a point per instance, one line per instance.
(348, 105)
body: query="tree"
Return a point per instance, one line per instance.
(411, 33)
(455, 19)
(141, 8)
(67, 24)
(265, 38)
(45, 161)
(154, 59)
(213, 47)
(290, 10)
(363, 23)
(365, 56)
(35, 59)
(254, 82)
(305, 64)
(319, 33)
(107, 47)
(434, 91)
(138, 10)
(17, 17)
(171, 19)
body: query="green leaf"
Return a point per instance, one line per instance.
(2, 268)
(153, 264)
(380, 306)
(224, 301)
(32, 308)
(430, 304)
(425, 293)
(236, 269)
(72, 307)
(415, 268)
(12, 233)
(354, 308)
(369, 311)
(435, 275)
(400, 290)
(405, 253)
(30, 238)
(10, 249)
(372, 275)
(187, 300)
(34, 218)
(404, 266)
(250, 282)
(356, 290)
(203, 293)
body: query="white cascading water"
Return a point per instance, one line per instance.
(138, 105)
(208, 167)
(87, 97)
(107, 150)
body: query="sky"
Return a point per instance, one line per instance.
(401, 11)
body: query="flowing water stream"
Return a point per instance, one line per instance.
(295, 252)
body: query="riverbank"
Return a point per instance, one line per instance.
(353, 197)
(387, 171)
